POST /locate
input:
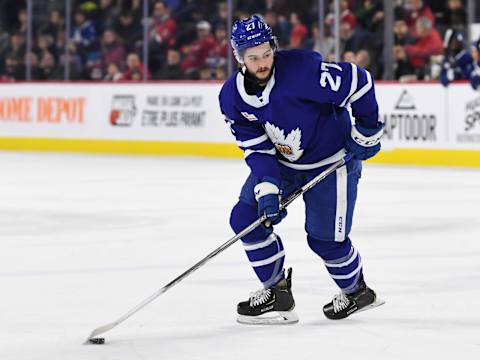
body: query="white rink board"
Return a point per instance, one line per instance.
(163, 112)
(418, 116)
(465, 116)
(415, 116)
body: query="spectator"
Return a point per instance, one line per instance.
(128, 30)
(4, 41)
(133, 6)
(83, 34)
(105, 16)
(324, 46)
(135, 69)
(171, 70)
(113, 73)
(221, 73)
(45, 44)
(298, 33)
(112, 51)
(206, 73)
(370, 14)
(362, 59)
(280, 27)
(455, 16)
(76, 66)
(401, 34)
(402, 66)
(349, 56)
(221, 16)
(417, 10)
(47, 67)
(16, 47)
(162, 34)
(22, 22)
(196, 52)
(346, 16)
(219, 53)
(14, 68)
(32, 59)
(351, 40)
(429, 43)
(402, 37)
(55, 25)
(163, 27)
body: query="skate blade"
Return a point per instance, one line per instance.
(270, 318)
(377, 303)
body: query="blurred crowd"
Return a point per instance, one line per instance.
(187, 39)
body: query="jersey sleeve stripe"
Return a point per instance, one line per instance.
(253, 142)
(366, 88)
(271, 151)
(353, 85)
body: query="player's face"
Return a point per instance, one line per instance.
(259, 60)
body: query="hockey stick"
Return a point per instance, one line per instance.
(247, 230)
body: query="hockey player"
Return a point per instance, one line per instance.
(289, 112)
(458, 63)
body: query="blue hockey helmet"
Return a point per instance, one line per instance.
(250, 32)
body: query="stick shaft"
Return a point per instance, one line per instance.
(220, 249)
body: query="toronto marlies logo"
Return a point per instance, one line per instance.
(288, 146)
(123, 110)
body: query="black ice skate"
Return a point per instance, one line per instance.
(344, 305)
(270, 306)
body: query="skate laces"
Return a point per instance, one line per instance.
(340, 302)
(259, 297)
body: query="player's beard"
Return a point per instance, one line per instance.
(262, 75)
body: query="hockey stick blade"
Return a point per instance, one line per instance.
(317, 179)
(100, 330)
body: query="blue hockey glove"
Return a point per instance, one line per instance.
(475, 82)
(363, 142)
(268, 195)
(444, 78)
(446, 75)
(475, 78)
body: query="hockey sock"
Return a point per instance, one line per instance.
(264, 248)
(342, 261)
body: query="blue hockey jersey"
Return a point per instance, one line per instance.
(460, 67)
(301, 120)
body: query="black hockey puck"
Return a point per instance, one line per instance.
(97, 341)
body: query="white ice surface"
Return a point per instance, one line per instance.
(85, 238)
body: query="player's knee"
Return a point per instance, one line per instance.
(329, 250)
(241, 216)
